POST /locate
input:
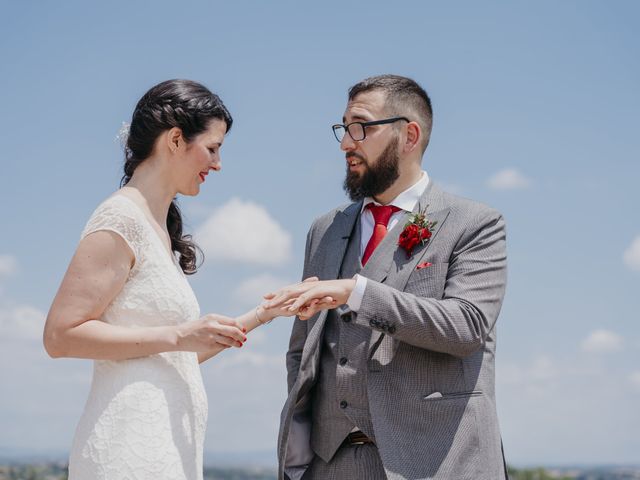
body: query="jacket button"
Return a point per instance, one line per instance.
(346, 318)
(391, 329)
(343, 404)
(343, 361)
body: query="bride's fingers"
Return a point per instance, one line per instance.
(226, 341)
(268, 296)
(232, 323)
(310, 279)
(232, 332)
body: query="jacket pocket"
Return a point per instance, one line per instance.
(428, 282)
(437, 396)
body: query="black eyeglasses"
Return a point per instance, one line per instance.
(357, 130)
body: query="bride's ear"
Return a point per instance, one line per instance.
(174, 139)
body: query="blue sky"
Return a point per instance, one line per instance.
(536, 113)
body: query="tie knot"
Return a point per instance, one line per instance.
(382, 213)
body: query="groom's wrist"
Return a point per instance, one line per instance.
(355, 297)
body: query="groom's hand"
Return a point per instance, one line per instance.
(312, 296)
(281, 309)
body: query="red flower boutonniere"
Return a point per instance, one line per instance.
(417, 230)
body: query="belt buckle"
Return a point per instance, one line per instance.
(358, 438)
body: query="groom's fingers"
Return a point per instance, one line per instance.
(304, 298)
(309, 310)
(290, 292)
(286, 293)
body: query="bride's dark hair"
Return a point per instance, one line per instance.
(190, 107)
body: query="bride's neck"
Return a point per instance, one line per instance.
(154, 189)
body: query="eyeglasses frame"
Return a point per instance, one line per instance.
(364, 127)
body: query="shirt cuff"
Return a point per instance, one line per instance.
(355, 299)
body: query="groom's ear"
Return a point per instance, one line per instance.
(412, 137)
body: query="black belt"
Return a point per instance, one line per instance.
(357, 438)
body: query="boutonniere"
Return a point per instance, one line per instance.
(417, 230)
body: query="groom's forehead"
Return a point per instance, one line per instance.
(365, 106)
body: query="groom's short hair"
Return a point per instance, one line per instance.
(403, 97)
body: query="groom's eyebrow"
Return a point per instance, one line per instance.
(355, 118)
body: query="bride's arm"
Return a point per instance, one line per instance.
(96, 274)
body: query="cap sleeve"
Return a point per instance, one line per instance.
(117, 215)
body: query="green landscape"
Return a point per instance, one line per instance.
(58, 471)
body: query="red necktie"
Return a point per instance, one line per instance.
(381, 216)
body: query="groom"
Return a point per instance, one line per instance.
(395, 378)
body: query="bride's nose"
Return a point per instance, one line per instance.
(216, 165)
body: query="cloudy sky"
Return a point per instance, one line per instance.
(536, 113)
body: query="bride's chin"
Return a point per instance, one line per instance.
(190, 192)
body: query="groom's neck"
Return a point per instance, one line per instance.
(409, 176)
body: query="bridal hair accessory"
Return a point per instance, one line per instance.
(417, 230)
(123, 134)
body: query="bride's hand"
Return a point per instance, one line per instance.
(208, 333)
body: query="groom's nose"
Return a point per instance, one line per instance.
(347, 144)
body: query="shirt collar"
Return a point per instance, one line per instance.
(406, 200)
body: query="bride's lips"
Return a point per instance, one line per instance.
(203, 176)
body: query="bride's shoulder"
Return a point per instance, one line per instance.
(117, 204)
(119, 214)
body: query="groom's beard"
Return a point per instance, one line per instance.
(376, 178)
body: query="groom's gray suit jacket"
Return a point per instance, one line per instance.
(428, 366)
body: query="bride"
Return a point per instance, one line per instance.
(125, 301)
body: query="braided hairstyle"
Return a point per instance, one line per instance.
(190, 107)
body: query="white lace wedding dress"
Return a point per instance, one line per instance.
(145, 418)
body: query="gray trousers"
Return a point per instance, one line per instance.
(351, 462)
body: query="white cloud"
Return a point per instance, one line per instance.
(602, 341)
(243, 231)
(508, 179)
(632, 255)
(21, 322)
(8, 265)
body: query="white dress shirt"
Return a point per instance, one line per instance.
(406, 201)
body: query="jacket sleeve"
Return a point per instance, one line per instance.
(459, 322)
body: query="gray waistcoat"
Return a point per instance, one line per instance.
(340, 400)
